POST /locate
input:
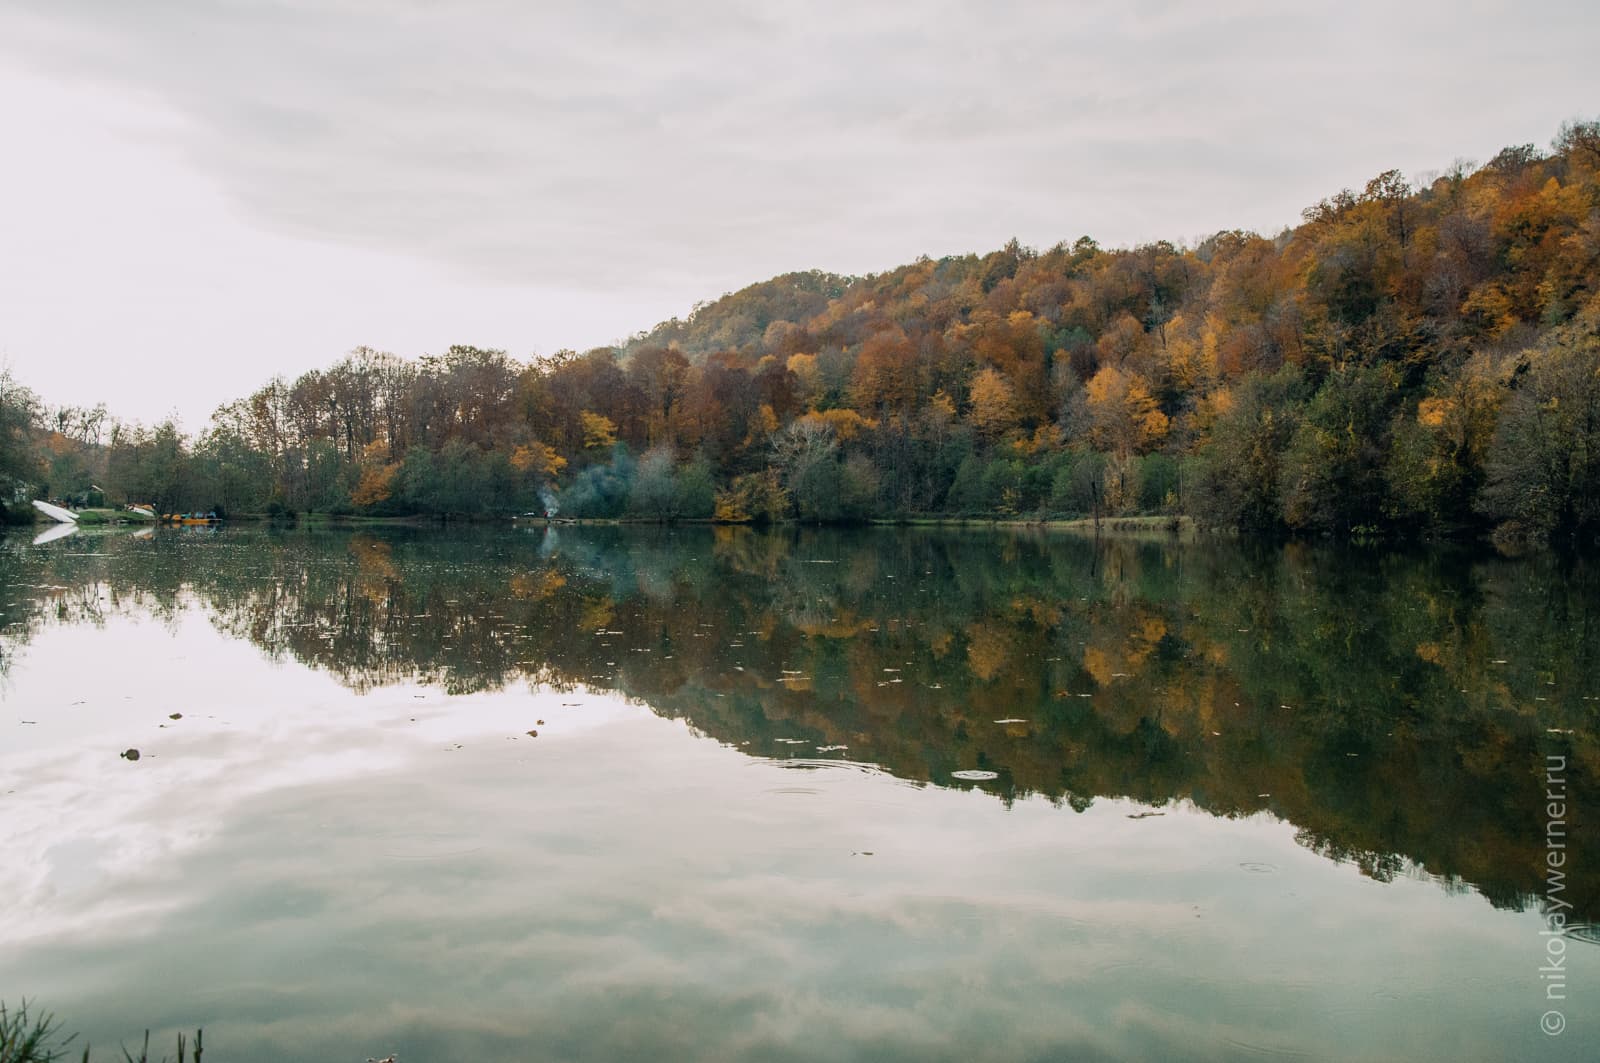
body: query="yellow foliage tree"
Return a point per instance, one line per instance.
(377, 476)
(846, 424)
(376, 484)
(1123, 415)
(538, 459)
(808, 378)
(993, 409)
(763, 426)
(599, 431)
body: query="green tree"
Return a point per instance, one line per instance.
(696, 491)
(1240, 469)
(1544, 468)
(19, 468)
(1333, 472)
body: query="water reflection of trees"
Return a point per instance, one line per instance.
(1393, 708)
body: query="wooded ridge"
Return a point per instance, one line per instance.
(1409, 359)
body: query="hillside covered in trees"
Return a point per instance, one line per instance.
(1413, 358)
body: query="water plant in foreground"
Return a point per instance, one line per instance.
(37, 1038)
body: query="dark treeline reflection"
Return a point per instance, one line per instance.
(1396, 709)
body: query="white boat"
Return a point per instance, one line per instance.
(55, 512)
(143, 511)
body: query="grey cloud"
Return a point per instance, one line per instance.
(631, 144)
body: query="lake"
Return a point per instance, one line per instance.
(595, 793)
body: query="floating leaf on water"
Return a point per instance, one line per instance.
(534, 734)
(975, 775)
(175, 716)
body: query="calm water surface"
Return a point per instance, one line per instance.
(794, 796)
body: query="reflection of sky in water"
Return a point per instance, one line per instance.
(314, 874)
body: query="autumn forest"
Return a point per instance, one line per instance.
(1416, 358)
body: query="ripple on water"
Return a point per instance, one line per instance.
(975, 775)
(1588, 933)
(1258, 868)
(1270, 1051)
(826, 764)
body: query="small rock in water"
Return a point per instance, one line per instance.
(176, 716)
(129, 754)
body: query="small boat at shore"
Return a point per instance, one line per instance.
(191, 518)
(66, 516)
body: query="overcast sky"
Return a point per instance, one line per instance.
(195, 196)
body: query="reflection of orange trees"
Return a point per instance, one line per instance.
(595, 614)
(540, 584)
(1044, 613)
(748, 552)
(1152, 671)
(375, 567)
(987, 650)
